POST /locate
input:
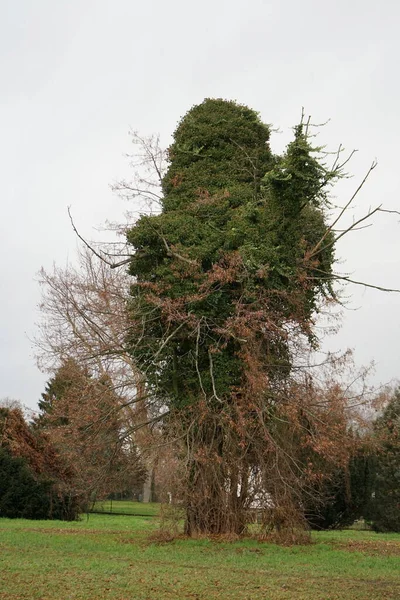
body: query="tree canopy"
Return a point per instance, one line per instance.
(241, 237)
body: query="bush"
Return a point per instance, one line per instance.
(23, 495)
(345, 497)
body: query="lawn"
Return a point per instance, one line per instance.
(112, 557)
(128, 507)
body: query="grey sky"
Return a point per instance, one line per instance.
(76, 75)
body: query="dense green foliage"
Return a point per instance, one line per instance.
(232, 239)
(25, 495)
(345, 496)
(32, 476)
(384, 509)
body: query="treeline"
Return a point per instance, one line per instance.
(74, 452)
(369, 485)
(53, 467)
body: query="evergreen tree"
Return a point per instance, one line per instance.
(81, 414)
(68, 375)
(384, 508)
(345, 496)
(33, 480)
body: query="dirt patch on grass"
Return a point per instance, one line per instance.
(371, 547)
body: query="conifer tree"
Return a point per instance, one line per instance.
(384, 508)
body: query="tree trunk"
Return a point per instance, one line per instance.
(214, 500)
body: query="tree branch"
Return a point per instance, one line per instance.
(316, 248)
(107, 262)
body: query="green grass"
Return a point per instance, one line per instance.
(128, 507)
(111, 557)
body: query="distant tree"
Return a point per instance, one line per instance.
(345, 496)
(80, 415)
(384, 508)
(67, 376)
(85, 322)
(24, 495)
(33, 479)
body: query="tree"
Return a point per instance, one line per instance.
(33, 479)
(80, 415)
(345, 496)
(208, 342)
(84, 321)
(384, 507)
(227, 280)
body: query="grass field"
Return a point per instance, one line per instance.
(112, 557)
(128, 507)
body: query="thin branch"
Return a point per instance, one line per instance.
(110, 264)
(176, 255)
(385, 210)
(212, 378)
(128, 432)
(352, 228)
(354, 225)
(318, 245)
(165, 342)
(345, 278)
(197, 359)
(122, 186)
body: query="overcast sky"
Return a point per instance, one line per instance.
(77, 74)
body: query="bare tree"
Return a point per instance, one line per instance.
(85, 317)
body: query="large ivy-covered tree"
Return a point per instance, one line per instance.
(227, 279)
